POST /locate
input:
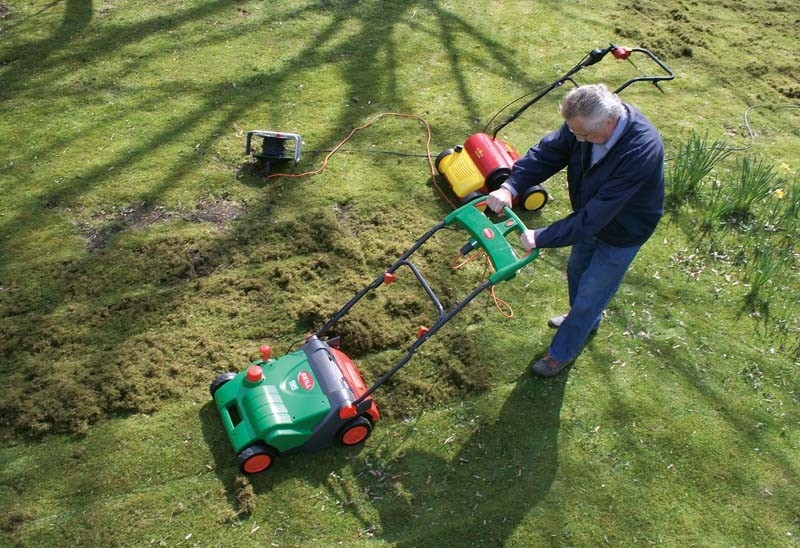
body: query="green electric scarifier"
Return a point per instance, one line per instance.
(315, 396)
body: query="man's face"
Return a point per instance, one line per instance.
(583, 131)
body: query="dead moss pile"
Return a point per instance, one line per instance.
(245, 498)
(168, 301)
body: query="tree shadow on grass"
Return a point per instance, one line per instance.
(704, 376)
(524, 437)
(73, 281)
(361, 58)
(34, 59)
(529, 417)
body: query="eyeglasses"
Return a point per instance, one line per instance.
(584, 135)
(578, 134)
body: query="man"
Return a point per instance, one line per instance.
(615, 175)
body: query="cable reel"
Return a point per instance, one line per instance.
(275, 147)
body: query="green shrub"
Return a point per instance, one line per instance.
(755, 182)
(695, 161)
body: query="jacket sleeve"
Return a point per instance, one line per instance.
(638, 169)
(542, 161)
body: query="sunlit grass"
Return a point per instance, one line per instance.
(141, 254)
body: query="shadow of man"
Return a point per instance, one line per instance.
(480, 496)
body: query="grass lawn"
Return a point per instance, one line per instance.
(142, 254)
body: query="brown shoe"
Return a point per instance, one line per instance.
(549, 367)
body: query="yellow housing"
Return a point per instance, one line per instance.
(462, 173)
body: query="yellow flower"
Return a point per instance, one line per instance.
(779, 193)
(784, 168)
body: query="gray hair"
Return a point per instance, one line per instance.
(592, 102)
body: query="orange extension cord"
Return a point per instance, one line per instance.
(499, 303)
(353, 131)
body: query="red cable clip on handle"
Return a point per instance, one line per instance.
(621, 52)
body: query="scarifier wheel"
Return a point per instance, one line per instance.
(356, 431)
(535, 198)
(442, 155)
(218, 381)
(256, 458)
(471, 196)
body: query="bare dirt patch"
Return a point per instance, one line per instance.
(104, 225)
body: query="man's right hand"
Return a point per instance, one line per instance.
(498, 199)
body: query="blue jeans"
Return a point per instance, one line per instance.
(594, 273)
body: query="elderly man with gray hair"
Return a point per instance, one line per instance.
(614, 159)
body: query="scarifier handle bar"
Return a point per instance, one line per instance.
(621, 52)
(594, 56)
(558, 83)
(497, 247)
(492, 238)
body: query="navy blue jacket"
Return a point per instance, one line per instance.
(619, 200)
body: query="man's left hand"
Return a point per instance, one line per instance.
(499, 199)
(528, 239)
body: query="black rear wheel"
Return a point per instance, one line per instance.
(471, 196)
(497, 178)
(256, 458)
(219, 380)
(356, 431)
(442, 155)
